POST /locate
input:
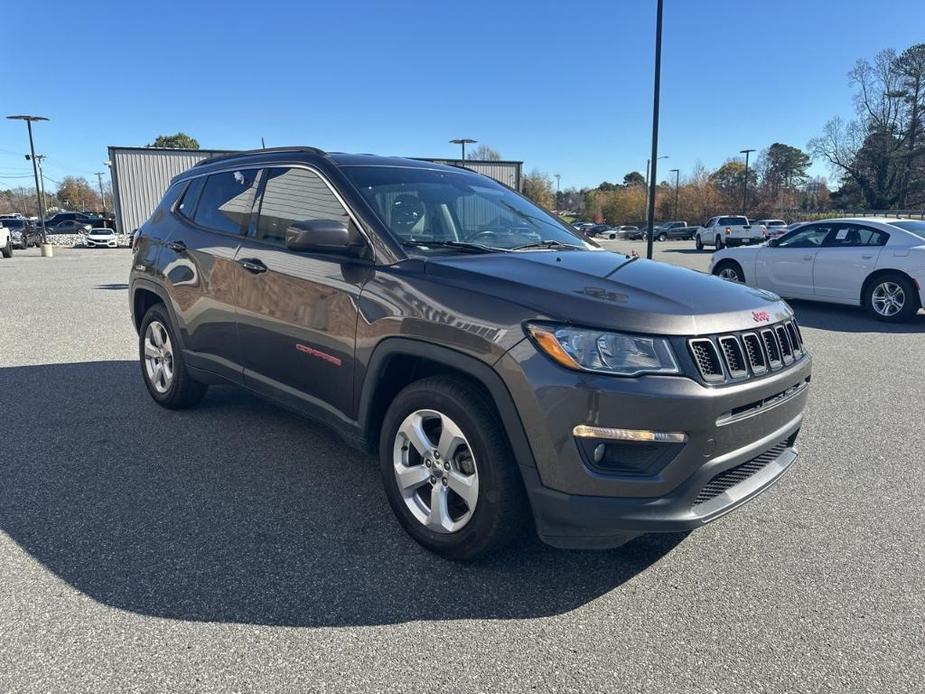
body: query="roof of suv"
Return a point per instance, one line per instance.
(336, 158)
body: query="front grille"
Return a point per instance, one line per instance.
(730, 478)
(738, 356)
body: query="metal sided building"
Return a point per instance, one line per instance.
(141, 175)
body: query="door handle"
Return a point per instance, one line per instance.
(252, 265)
(177, 246)
(867, 257)
(807, 257)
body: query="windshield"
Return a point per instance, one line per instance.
(913, 227)
(776, 223)
(448, 208)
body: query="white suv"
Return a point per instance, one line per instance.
(729, 230)
(6, 242)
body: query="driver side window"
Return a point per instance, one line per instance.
(294, 195)
(808, 237)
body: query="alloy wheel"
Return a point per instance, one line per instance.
(888, 299)
(435, 471)
(159, 363)
(729, 273)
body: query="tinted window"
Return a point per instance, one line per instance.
(914, 227)
(226, 201)
(188, 204)
(295, 195)
(805, 237)
(849, 235)
(733, 221)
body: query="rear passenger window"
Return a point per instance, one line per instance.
(294, 195)
(851, 236)
(193, 190)
(227, 200)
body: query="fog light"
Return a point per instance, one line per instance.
(599, 451)
(589, 432)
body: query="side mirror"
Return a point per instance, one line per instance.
(323, 236)
(772, 243)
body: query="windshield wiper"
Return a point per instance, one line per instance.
(548, 243)
(458, 245)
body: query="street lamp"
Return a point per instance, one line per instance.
(650, 206)
(746, 152)
(463, 141)
(35, 168)
(557, 194)
(648, 166)
(677, 177)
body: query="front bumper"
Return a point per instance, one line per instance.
(578, 505)
(100, 244)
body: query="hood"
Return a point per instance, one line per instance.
(608, 290)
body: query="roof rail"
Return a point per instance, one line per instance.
(250, 152)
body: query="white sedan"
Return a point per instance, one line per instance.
(877, 263)
(101, 238)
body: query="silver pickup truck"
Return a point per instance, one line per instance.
(729, 230)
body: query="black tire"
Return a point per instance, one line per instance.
(612, 237)
(698, 241)
(501, 510)
(907, 294)
(183, 391)
(732, 266)
(661, 237)
(7, 250)
(718, 244)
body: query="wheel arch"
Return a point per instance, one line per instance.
(397, 362)
(881, 272)
(146, 294)
(729, 261)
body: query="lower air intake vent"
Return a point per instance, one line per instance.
(730, 478)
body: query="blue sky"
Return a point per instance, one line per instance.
(565, 87)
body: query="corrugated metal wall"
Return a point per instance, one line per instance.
(140, 177)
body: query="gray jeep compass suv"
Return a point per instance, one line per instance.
(504, 368)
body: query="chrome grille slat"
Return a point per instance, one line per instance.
(786, 348)
(772, 348)
(707, 359)
(734, 356)
(753, 350)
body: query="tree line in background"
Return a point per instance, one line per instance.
(73, 193)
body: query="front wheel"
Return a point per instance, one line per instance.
(662, 237)
(162, 365)
(448, 470)
(698, 242)
(729, 270)
(719, 243)
(891, 298)
(7, 250)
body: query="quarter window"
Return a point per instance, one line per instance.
(294, 195)
(227, 200)
(188, 205)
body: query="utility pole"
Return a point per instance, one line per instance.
(35, 170)
(99, 178)
(677, 177)
(746, 152)
(650, 207)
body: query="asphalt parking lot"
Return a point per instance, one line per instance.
(238, 547)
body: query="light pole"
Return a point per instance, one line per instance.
(650, 207)
(35, 168)
(648, 165)
(746, 152)
(99, 178)
(39, 158)
(677, 177)
(557, 195)
(463, 141)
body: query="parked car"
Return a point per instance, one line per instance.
(673, 230)
(101, 237)
(24, 234)
(67, 216)
(629, 232)
(582, 226)
(600, 230)
(728, 230)
(6, 241)
(508, 372)
(775, 228)
(68, 226)
(877, 263)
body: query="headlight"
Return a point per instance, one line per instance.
(620, 354)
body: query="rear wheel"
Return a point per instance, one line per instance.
(162, 365)
(729, 270)
(891, 297)
(662, 237)
(448, 471)
(7, 250)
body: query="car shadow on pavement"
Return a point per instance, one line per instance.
(237, 511)
(849, 319)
